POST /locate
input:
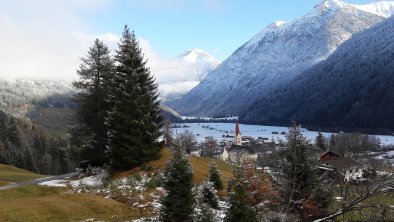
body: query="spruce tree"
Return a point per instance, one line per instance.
(297, 167)
(240, 208)
(206, 202)
(95, 73)
(320, 141)
(177, 205)
(208, 194)
(214, 176)
(135, 121)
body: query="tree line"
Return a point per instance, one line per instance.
(29, 147)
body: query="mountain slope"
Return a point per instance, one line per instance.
(352, 88)
(273, 57)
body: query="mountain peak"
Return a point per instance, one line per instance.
(330, 4)
(382, 8)
(198, 55)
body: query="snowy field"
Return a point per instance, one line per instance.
(217, 130)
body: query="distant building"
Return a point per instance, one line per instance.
(344, 168)
(243, 153)
(239, 149)
(225, 155)
(238, 137)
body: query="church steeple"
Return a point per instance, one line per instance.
(238, 138)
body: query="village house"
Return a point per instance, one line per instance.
(344, 168)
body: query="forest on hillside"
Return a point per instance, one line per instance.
(351, 89)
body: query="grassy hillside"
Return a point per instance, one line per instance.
(38, 203)
(12, 174)
(53, 204)
(59, 204)
(200, 166)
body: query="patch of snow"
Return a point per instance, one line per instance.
(93, 181)
(55, 183)
(146, 219)
(389, 154)
(382, 8)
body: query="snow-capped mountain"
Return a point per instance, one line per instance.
(352, 88)
(199, 56)
(202, 61)
(191, 67)
(276, 55)
(383, 8)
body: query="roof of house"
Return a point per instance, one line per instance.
(341, 163)
(240, 148)
(330, 152)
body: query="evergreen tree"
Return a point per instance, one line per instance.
(240, 208)
(177, 205)
(297, 167)
(214, 176)
(204, 213)
(320, 141)
(332, 142)
(206, 202)
(95, 73)
(208, 194)
(135, 121)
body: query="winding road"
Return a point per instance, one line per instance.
(36, 181)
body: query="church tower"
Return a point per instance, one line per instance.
(238, 138)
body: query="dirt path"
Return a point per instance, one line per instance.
(36, 181)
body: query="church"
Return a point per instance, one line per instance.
(238, 150)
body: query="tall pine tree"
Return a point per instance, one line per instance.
(297, 167)
(240, 207)
(214, 176)
(95, 73)
(135, 120)
(320, 141)
(177, 205)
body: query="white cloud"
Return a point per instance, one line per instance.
(175, 76)
(170, 90)
(45, 40)
(38, 40)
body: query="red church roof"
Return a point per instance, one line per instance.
(237, 132)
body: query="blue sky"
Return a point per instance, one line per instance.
(47, 38)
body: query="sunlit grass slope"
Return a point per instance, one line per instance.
(200, 166)
(38, 203)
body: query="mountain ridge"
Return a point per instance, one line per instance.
(352, 88)
(272, 57)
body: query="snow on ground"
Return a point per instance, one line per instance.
(389, 154)
(95, 180)
(55, 183)
(146, 219)
(217, 130)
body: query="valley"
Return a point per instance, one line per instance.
(260, 120)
